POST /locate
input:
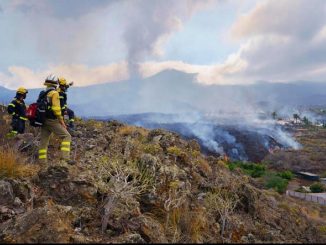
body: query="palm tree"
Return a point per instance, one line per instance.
(274, 115)
(296, 117)
(306, 121)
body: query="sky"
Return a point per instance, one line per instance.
(222, 41)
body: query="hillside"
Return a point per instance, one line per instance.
(136, 185)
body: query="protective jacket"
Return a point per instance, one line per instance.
(54, 108)
(64, 107)
(17, 109)
(63, 101)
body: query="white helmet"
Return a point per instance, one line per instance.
(51, 80)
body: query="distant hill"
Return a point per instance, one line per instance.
(5, 95)
(173, 92)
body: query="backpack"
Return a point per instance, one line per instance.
(36, 112)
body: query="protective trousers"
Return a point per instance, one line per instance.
(18, 125)
(71, 115)
(53, 126)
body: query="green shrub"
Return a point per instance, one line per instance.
(286, 175)
(317, 187)
(257, 173)
(276, 182)
(253, 169)
(232, 166)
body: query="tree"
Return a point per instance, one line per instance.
(296, 117)
(274, 115)
(306, 121)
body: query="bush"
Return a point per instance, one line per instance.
(9, 166)
(179, 154)
(232, 166)
(276, 182)
(317, 187)
(257, 172)
(253, 169)
(286, 175)
(174, 150)
(152, 148)
(126, 130)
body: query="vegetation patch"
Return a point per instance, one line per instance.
(317, 187)
(151, 148)
(10, 166)
(253, 169)
(288, 175)
(275, 180)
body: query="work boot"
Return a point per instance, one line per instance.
(11, 134)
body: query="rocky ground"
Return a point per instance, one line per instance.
(138, 186)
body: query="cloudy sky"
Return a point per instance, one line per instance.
(223, 41)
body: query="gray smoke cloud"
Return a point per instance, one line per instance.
(152, 21)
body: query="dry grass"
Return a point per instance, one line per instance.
(151, 148)
(179, 154)
(176, 151)
(131, 130)
(94, 124)
(126, 130)
(204, 166)
(10, 166)
(196, 224)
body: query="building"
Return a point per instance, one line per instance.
(308, 176)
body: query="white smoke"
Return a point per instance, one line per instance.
(152, 22)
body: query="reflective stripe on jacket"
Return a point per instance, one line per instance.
(17, 109)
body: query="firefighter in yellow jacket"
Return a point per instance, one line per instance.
(54, 123)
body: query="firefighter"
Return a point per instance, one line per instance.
(54, 123)
(17, 109)
(63, 88)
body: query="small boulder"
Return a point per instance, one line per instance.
(6, 193)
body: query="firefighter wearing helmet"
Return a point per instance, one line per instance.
(17, 109)
(54, 123)
(63, 89)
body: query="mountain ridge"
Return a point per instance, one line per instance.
(177, 92)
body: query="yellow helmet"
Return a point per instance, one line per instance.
(62, 81)
(22, 90)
